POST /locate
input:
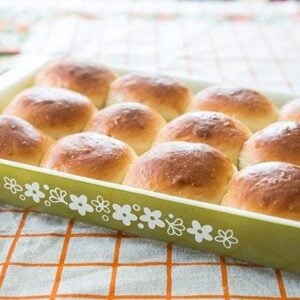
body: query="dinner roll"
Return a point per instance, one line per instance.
(20, 141)
(162, 93)
(90, 154)
(290, 111)
(215, 129)
(248, 106)
(277, 142)
(189, 170)
(133, 123)
(90, 79)
(271, 188)
(56, 111)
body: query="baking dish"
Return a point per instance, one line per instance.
(248, 236)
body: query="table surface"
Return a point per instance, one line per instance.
(44, 257)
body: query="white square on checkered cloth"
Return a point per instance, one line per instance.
(43, 223)
(30, 281)
(85, 280)
(141, 280)
(184, 255)
(202, 280)
(9, 222)
(38, 250)
(90, 249)
(4, 247)
(256, 281)
(135, 250)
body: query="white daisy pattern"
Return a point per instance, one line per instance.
(200, 232)
(80, 203)
(33, 191)
(131, 215)
(101, 205)
(12, 185)
(152, 218)
(226, 238)
(124, 214)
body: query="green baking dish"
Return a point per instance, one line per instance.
(256, 238)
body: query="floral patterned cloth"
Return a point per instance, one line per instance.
(45, 257)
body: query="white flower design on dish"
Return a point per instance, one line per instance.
(80, 203)
(200, 232)
(58, 195)
(33, 191)
(175, 227)
(11, 185)
(101, 205)
(226, 238)
(124, 214)
(152, 218)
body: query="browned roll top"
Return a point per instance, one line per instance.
(21, 142)
(162, 93)
(248, 106)
(215, 129)
(278, 142)
(195, 171)
(271, 188)
(90, 154)
(56, 111)
(133, 123)
(90, 79)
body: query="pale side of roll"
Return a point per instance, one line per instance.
(290, 111)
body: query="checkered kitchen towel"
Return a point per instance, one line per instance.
(44, 257)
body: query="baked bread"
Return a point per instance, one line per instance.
(90, 154)
(189, 170)
(290, 111)
(162, 93)
(277, 142)
(271, 188)
(21, 142)
(246, 105)
(90, 79)
(133, 123)
(213, 128)
(55, 111)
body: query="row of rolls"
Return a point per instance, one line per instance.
(149, 131)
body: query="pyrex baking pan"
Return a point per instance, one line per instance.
(256, 238)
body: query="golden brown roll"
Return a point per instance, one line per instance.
(290, 111)
(271, 188)
(20, 141)
(133, 123)
(162, 93)
(56, 111)
(246, 105)
(277, 142)
(215, 129)
(189, 170)
(90, 154)
(90, 79)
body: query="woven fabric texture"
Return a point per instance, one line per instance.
(44, 257)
